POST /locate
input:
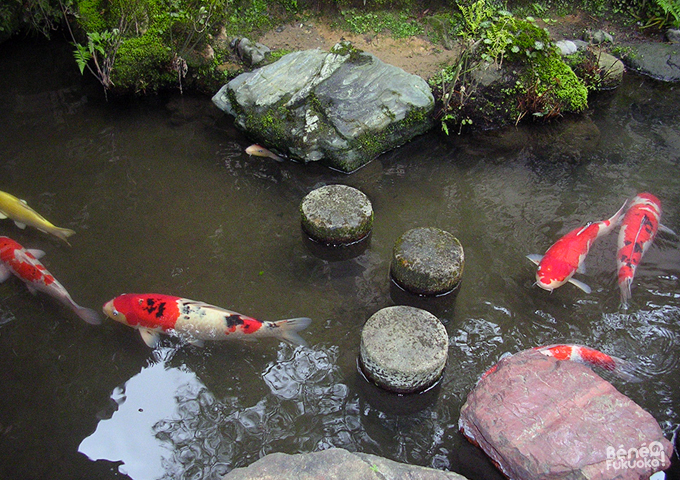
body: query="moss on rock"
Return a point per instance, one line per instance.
(143, 65)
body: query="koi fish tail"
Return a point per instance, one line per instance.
(626, 293)
(87, 314)
(62, 233)
(617, 218)
(626, 370)
(287, 330)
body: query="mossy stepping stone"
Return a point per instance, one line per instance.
(336, 215)
(403, 349)
(427, 261)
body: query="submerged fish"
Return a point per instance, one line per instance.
(15, 259)
(19, 211)
(153, 314)
(565, 257)
(589, 356)
(638, 230)
(260, 151)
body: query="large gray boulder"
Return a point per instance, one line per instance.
(342, 107)
(537, 418)
(335, 464)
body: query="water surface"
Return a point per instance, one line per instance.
(164, 199)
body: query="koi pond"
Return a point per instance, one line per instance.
(164, 200)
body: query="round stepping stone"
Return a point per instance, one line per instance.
(336, 215)
(403, 349)
(427, 261)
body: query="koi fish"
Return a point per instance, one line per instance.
(19, 211)
(591, 357)
(638, 230)
(153, 314)
(260, 151)
(23, 263)
(565, 257)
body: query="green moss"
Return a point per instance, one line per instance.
(557, 83)
(91, 18)
(143, 65)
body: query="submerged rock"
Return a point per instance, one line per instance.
(335, 464)
(342, 107)
(537, 417)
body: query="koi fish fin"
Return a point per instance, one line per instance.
(625, 370)
(534, 257)
(665, 229)
(3, 215)
(89, 315)
(62, 233)
(36, 253)
(150, 337)
(196, 342)
(20, 225)
(626, 293)
(580, 285)
(276, 157)
(618, 216)
(287, 330)
(581, 268)
(583, 228)
(31, 288)
(5, 273)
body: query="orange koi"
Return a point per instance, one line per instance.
(638, 230)
(591, 357)
(565, 257)
(23, 263)
(153, 314)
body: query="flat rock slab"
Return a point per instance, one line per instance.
(658, 60)
(540, 418)
(336, 214)
(335, 464)
(427, 261)
(403, 349)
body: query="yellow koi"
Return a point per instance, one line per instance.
(18, 210)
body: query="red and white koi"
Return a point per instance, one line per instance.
(565, 257)
(591, 357)
(260, 151)
(638, 230)
(23, 263)
(153, 314)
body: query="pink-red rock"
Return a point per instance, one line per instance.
(541, 418)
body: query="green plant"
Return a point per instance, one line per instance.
(650, 13)
(671, 14)
(475, 17)
(101, 48)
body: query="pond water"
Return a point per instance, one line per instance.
(164, 199)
